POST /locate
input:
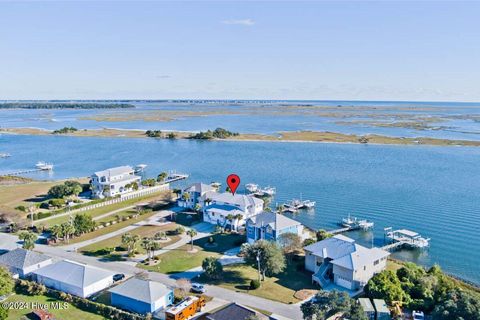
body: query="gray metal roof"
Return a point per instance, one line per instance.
(333, 248)
(74, 273)
(366, 304)
(361, 257)
(200, 188)
(114, 171)
(21, 258)
(381, 306)
(275, 220)
(141, 290)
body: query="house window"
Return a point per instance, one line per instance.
(364, 268)
(112, 187)
(376, 262)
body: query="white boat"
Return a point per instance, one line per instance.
(216, 185)
(270, 191)
(354, 222)
(140, 168)
(309, 204)
(4, 155)
(251, 187)
(44, 165)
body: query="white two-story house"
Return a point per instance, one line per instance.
(114, 181)
(342, 261)
(228, 210)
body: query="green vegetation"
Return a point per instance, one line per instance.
(326, 304)
(184, 258)
(6, 282)
(431, 291)
(70, 311)
(218, 133)
(322, 235)
(153, 133)
(285, 287)
(119, 247)
(65, 130)
(212, 267)
(266, 256)
(63, 105)
(68, 188)
(28, 239)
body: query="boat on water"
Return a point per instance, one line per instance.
(44, 165)
(355, 223)
(269, 191)
(140, 168)
(309, 204)
(251, 187)
(4, 155)
(216, 185)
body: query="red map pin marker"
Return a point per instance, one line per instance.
(233, 181)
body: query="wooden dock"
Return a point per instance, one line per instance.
(25, 171)
(173, 177)
(342, 230)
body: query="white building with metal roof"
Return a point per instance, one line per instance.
(21, 262)
(342, 261)
(75, 278)
(114, 181)
(220, 206)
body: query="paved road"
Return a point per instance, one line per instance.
(153, 220)
(289, 311)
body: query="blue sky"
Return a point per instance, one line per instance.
(259, 50)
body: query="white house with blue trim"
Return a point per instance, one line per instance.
(141, 296)
(220, 207)
(194, 194)
(269, 226)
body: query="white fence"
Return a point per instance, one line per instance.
(123, 197)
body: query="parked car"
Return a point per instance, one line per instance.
(118, 277)
(198, 288)
(418, 315)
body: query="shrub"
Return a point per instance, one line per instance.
(21, 208)
(254, 284)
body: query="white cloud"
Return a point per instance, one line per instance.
(242, 22)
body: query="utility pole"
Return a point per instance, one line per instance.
(258, 264)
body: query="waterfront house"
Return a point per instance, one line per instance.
(269, 226)
(342, 261)
(75, 278)
(141, 296)
(228, 210)
(193, 195)
(21, 262)
(114, 181)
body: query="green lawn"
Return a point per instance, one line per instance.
(143, 231)
(124, 213)
(281, 287)
(106, 209)
(179, 260)
(71, 312)
(109, 229)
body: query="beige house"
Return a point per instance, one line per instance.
(342, 261)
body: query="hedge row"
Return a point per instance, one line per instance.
(33, 288)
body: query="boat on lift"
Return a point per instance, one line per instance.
(309, 204)
(5, 155)
(251, 187)
(269, 191)
(355, 223)
(216, 185)
(140, 168)
(41, 165)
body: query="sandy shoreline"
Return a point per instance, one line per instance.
(290, 136)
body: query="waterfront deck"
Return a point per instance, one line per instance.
(404, 238)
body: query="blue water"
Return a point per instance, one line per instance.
(246, 120)
(432, 190)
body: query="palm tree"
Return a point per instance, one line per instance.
(185, 196)
(135, 240)
(127, 241)
(68, 230)
(192, 233)
(147, 245)
(32, 210)
(56, 231)
(29, 239)
(238, 217)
